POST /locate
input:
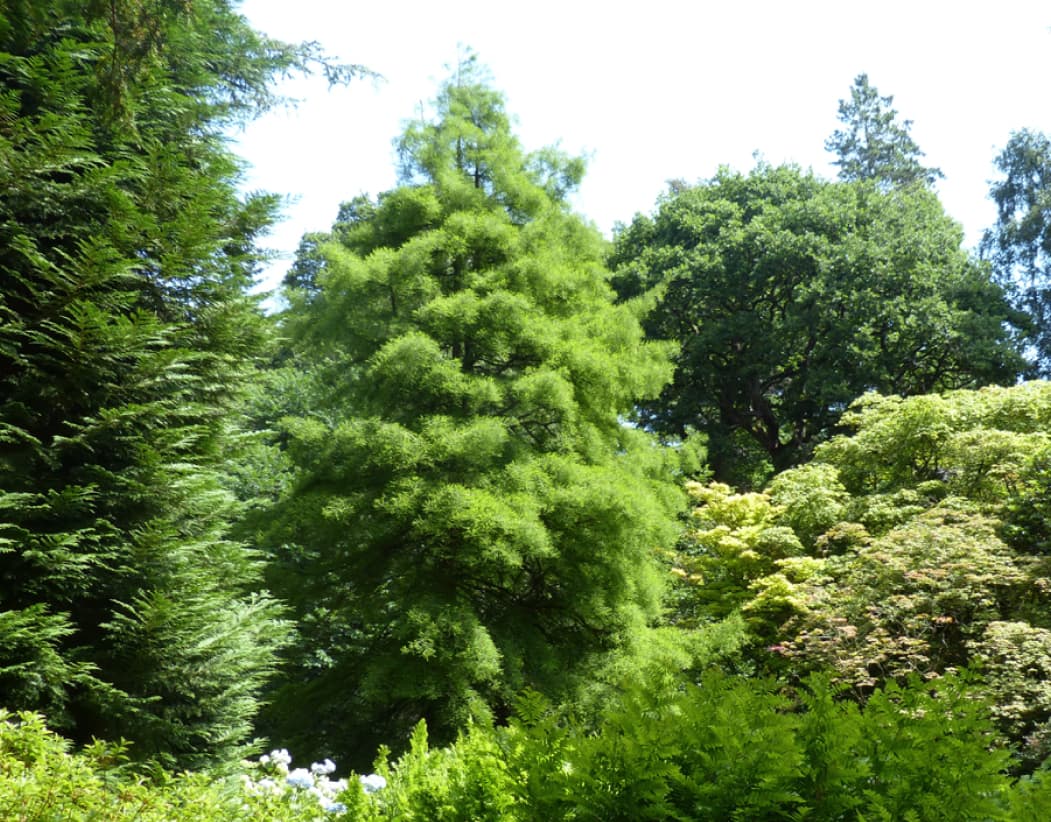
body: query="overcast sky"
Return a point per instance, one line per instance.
(652, 91)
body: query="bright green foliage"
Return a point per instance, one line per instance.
(873, 146)
(470, 515)
(741, 557)
(918, 545)
(983, 445)
(811, 500)
(464, 782)
(663, 655)
(940, 558)
(125, 253)
(1030, 800)
(928, 753)
(732, 546)
(41, 780)
(725, 748)
(1015, 661)
(792, 296)
(1019, 245)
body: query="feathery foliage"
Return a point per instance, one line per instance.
(470, 515)
(125, 252)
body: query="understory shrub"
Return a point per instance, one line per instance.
(725, 747)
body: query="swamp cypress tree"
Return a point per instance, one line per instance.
(470, 515)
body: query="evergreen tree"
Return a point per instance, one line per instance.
(125, 610)
(1019, 245)
(470, 515)
(874, 145)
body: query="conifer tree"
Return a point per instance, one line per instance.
(470, 516)
(873, 145)
(125, 251)
(1019, 244)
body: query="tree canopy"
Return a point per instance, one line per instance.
(125, 333)
(916, 543)
(873, 145)
(430, 517)
(791, 296)
(1019, 244)
(470, 516)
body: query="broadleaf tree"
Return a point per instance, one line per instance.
(791, 296)
(470, 514)
(915, 545)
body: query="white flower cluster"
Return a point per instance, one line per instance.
(282, 780)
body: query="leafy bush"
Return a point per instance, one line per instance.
(724, 748)
(40, 779)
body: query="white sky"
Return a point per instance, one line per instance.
(653, 90)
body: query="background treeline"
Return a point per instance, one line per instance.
(744, 514)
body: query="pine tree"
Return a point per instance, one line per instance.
(874, 145)
(470, 515)
(1019, 245)
(125, 332)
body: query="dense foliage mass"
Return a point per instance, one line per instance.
(442, 459)
(124, 332)
(724, 748)
(916, 545)
(1019, 245)
(469, 516)
(791, 296)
